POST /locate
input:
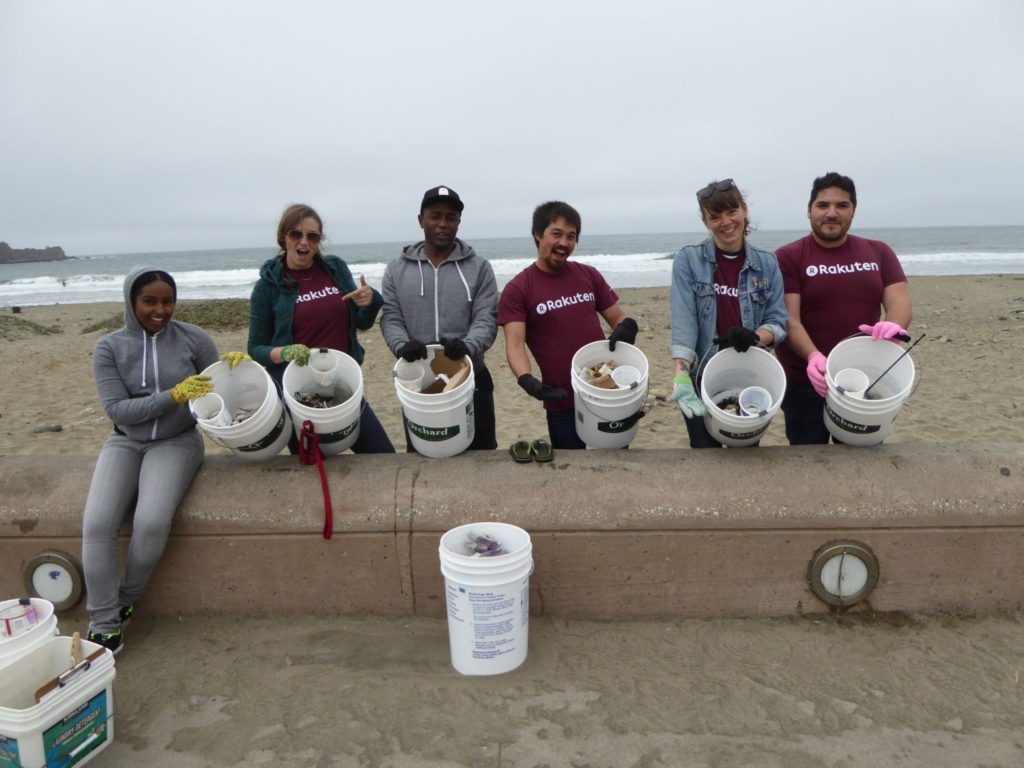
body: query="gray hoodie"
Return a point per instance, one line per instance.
(458, 299)
(135, 372)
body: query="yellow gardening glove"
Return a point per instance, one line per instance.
(234, 358)
(295, 353)
(191, 388)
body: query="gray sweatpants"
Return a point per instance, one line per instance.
(158, 473)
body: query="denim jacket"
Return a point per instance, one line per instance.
(693, 301)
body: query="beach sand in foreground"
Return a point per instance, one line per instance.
(971, 374)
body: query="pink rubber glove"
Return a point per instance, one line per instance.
(816, 364)
(883, 329)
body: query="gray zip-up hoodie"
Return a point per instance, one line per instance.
(135, 372)
(459, 299)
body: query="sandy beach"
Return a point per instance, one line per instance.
(969, 371)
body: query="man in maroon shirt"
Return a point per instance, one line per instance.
(552, 307)
(834, 285)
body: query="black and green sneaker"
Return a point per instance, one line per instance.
(127, 613)
(111, 640)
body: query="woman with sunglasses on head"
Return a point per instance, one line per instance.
(145, 375)
(724, 291)
(305, 299)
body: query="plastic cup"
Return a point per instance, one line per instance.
(324, 366)
(852, 382)
(754, 401)
(210, 409)
(626, 376)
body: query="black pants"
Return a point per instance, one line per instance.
(805, 414)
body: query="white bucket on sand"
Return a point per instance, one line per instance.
(488, 598)
(440, 424)
(727, 374)
(71, 724)
(337, 426)
(25, 630)
(246, 388)
(607, 418)
(864, 421)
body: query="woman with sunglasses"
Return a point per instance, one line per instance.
(724, 291)
(305, 299)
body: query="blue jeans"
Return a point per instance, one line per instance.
(805, 414)
(562, 430)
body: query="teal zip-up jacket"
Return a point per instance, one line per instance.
(272, 309)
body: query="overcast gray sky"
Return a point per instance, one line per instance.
(179, 124)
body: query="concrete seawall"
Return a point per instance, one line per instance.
(616, 534)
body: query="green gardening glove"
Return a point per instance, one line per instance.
(295, 353)
(234, 358)
(685, 396)
(191, 388)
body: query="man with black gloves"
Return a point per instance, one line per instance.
(552, 307)
(438, 291)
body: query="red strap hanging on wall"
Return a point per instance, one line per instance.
(309, 453)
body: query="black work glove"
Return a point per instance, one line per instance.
(535, 388)
(739, 338)
(412, 351)
(625, 331)
(455, 349)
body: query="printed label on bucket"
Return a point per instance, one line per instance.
(70, 740)
(432, 434)
(9, 755)
(624, 425)
(849, 426)
(491, 617)
(341, 434)
(267, 440)
(743, 435)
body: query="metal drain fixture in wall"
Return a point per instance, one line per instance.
(55, 576)
(843, 573)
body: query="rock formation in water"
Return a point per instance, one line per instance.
(10, 255)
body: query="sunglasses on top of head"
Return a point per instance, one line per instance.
(312, 238)
(716, 186)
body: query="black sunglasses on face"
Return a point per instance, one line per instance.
(718, 186)
(311, 237)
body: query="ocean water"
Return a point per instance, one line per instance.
(626, 261)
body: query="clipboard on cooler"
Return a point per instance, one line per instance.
(65, 677)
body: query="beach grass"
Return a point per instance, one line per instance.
(18, 327)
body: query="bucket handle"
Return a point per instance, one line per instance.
(706, 358)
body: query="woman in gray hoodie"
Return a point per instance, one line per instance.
(145, 375)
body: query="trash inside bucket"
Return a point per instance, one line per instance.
(487, 594)
(259, 425)
(607, 414)
(334, 407)
(727, 374)
(438, 406)
(868, 419)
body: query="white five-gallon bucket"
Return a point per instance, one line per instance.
(607, 418)
(28, 633)
(440, 424)
(867, 421)
(338, 426)
(72, 723)
(727, 374)
(246, 388)
(488, 598)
